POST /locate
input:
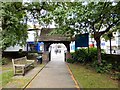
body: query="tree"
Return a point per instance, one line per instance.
(102, 19)
(15, 16)
(14, 30)
(38, 12)
(95, 17)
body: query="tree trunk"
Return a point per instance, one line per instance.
(98, 49)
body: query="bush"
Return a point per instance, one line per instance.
(74, 57)
(92, 54)
(32, 55)
(83, 56)
(109, 62)
(70, 60)
(4, 61)
(80, 55)
(103, 67)
(114, 60)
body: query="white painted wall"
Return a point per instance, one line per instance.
(31, 36)
(114, 42)
(72, 46)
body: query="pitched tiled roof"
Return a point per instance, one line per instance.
(45, 36)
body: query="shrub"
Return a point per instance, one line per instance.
(92, 54)
(4, 61)
(70, 60)
(103, 67)
(83, 56)
(32, 55)
(114, 60)
(110, 64)
(80, 55)
(74, 56)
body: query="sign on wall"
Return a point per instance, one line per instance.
(72, 46)
(38, 47)
(82, 40)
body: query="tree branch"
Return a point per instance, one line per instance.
(110, 26)
(93, 27)
(105, 5)
(100, 24)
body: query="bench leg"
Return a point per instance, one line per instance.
(14, 69)
(23, 71)
(33, 65)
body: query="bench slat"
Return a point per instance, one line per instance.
(22, 63)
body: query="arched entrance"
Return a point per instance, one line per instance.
(48, 43)
(48, 39)
(57, 51)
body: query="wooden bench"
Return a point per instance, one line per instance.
(20, 65)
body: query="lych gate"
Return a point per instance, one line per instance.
(50, 39)
(47, 41)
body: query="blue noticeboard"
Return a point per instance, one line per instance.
(38, 47)
(82, 40)
(32, 46)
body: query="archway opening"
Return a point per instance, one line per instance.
(57, 51)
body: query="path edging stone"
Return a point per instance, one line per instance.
(78, 86)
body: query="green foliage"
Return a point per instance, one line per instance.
(15, 17)
(82, 55)
(103, 67)
(85, 56)
(4, 61)
(107, 64)
(92, 54)
(32, 55)
(108, 35)
(113, 59)
(69, 17)
(14, 29)
(96, 18)
(69, 60)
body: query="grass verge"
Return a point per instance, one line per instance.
(88, 78)
(5, 77)
(18, 81)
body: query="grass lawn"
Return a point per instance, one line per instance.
(5, 77)
(17, 83)
(88, 78)
(9, 81)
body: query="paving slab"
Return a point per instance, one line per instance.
(54, 75)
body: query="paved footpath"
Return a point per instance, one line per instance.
(54, 75)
